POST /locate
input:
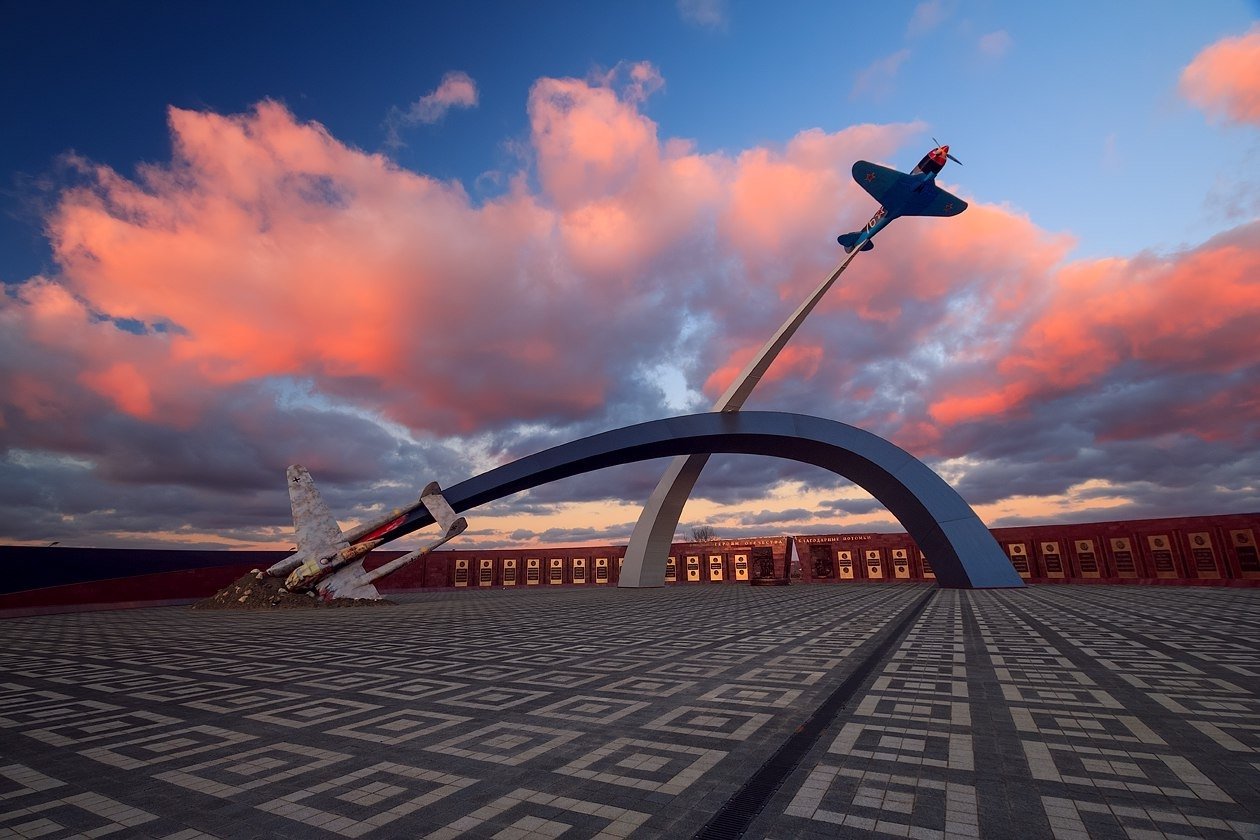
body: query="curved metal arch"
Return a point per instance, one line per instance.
(964, 553)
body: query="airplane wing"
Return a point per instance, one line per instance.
(937, 202)
(313, 522)
(875, 179)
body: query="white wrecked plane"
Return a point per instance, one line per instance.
(329, 562)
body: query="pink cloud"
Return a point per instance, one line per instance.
(457, 90)
(274, 250)
(645, 80)
(1224, 79)
(1191, 313)
(796, 361)
(590, 142)
(266, 248)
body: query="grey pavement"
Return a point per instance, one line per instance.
(1055, 712)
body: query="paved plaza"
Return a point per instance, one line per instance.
(718, 711)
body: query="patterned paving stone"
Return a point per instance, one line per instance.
(367, 799)
(1052, 712)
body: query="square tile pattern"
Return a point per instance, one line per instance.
(1051, 712)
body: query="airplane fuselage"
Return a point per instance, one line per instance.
(904, 199)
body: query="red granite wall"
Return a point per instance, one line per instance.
(1193, 550)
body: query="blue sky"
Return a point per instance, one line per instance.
(1094, 180)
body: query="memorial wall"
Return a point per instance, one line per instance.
(1191, 550)
(1201, 550)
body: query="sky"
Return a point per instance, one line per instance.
(406, 242)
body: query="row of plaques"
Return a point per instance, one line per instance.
(872, 567)
(556, 571)
(1203, 562)
(714, 568)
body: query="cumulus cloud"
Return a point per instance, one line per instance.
(1224, 79)
(271, 295)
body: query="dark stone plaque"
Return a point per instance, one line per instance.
(763, 562)
(820, 554)
(763, 568)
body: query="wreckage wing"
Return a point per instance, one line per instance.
(936, 202)
(875, 179)
(313, 522)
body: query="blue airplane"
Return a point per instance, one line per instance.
(900, 194)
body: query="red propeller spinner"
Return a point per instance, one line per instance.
(941, 153)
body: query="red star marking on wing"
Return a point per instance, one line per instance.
(870, 177)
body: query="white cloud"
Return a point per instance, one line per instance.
(877, 79)
(707, 14)
(996, 44)
(927, 16)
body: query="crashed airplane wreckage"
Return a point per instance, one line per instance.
(329, 563)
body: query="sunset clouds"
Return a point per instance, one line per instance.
(1190, 314)
(1224, 79)
(271, 294)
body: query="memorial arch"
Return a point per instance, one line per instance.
(962, 551)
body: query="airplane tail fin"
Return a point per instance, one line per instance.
(314, 526)
(849, 240)
(313, 522)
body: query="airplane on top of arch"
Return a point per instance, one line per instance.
(901, 194)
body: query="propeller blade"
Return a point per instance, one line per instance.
(936, 142)
(954, 159)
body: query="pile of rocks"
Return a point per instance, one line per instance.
(258, 590)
